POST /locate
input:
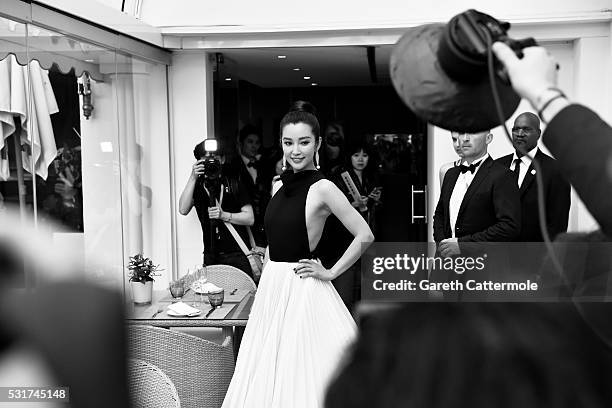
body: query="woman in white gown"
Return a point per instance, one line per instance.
(299, 328)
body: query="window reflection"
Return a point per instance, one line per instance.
(92, 173)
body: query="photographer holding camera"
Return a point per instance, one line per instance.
(218, 199)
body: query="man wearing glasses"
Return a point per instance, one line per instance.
(525, 135)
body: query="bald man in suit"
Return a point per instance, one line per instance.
(525, 135)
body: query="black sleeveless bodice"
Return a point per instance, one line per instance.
(285, 219)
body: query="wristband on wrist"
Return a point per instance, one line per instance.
(229, 219)
(544, 95)
(541, 111)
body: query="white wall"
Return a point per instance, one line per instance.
(191, 79)
(239, 15)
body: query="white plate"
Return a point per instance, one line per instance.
(203, 287)
(175, 314)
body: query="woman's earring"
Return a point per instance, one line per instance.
(317, 160)
(284, 163)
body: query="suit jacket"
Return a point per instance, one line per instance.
(490, 210)
(556, 198)
(582, 144)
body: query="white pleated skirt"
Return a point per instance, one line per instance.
(296, 336)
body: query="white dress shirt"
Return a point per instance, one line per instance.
(524, 164)
(461, 186)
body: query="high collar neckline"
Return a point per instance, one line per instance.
(293, 180)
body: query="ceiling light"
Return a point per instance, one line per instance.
(89, 60)
(306, 77)
(281, 57)
(296, 69)
(228, 79)
(314, 84)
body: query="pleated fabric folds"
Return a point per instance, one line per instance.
(298, 333)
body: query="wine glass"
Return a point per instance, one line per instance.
(202, 277)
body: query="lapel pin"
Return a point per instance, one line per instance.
(533, 171)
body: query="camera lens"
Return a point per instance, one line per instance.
(212, 168)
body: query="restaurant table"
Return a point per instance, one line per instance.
(233, 313)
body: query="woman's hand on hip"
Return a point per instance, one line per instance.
(309, 268)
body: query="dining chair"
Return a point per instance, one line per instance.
(150, 387)
(201, 370)
(229, 277)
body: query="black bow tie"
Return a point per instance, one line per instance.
(251, 163)
(471, 168)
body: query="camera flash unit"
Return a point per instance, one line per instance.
(210, 145)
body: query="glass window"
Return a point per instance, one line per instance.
(85, 135)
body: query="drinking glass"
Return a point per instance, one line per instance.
(177, 289)
(216, 298)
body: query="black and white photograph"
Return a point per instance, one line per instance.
(305, 205)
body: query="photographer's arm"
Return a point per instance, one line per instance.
(186, 199)
(244, 217)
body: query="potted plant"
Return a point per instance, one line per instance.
(141, 272)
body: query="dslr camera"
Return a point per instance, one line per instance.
(205, 152)
(212, 167)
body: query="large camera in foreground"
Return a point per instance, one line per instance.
(440, 72)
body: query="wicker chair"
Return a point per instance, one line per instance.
(150, 387)
(200, 370)
(229, 277)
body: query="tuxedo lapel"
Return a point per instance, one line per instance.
(447, 190)
(480, 176)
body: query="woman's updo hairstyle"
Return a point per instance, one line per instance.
(302, 112)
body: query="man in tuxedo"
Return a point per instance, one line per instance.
(525, 135)
(254, 173)
(479, 200)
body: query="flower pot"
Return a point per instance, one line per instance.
(142, 293)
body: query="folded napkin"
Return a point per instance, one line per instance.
(182, 308)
